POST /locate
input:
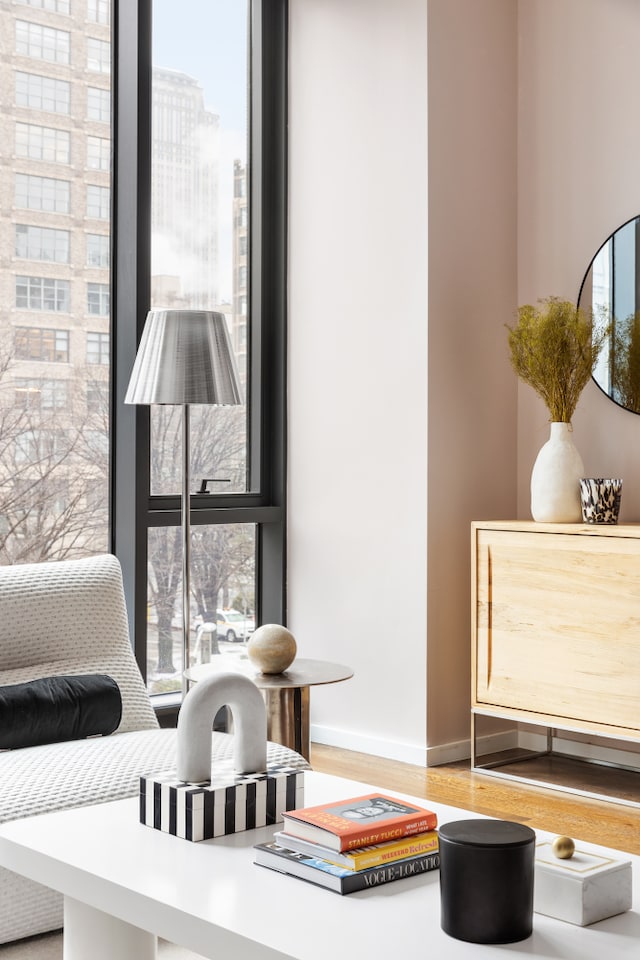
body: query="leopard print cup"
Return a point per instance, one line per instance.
(600, 499)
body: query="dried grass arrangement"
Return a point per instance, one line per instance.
(554, 348)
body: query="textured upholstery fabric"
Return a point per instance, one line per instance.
(76, 773)
(69, 617)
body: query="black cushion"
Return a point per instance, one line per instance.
(54, 709)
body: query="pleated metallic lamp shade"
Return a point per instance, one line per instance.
(185, 358)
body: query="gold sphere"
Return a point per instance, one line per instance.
(563, 848)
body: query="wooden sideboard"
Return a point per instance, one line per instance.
(556, 627)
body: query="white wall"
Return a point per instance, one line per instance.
(358, 363)
(395, 448)
(472, 293)
(579, 179)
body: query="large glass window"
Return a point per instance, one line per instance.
(197, 193)
(194, 155)
(217, 153)
(54, 471)
(200, 131)
(223, 598)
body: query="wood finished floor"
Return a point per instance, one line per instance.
(609, 824)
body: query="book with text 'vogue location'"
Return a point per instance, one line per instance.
(340, 879)
(358, 821)
(360, 858)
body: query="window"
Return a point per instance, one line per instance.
(98, 153)
(42, 243)
(97, 202)
(58, 6)
(175, 156)
(43, 43)
(97, 250)
(98, 104)
(32, 394)
(61, 115)
(42, 293)
(41, 446)
(195, 217)
(35, 343)
(42, 143)
(42, 93)
(98, 55)
(42, 193)
(97, 396)
(97, 348)
(99, 11)
(98, 301)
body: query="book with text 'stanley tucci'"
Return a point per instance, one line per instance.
(343, 881)
(360, 858)
(358, 821)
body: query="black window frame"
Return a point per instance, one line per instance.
(133, 511)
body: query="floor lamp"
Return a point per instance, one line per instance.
(184, 357)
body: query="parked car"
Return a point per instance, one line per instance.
(233, 625)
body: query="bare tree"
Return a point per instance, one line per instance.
(53, 457)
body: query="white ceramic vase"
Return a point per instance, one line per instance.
(555, 479)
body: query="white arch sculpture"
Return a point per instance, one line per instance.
(195, 722)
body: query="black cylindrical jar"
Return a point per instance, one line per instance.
(486, 880)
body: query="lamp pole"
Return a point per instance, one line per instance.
(186, 546)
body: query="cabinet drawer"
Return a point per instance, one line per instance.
(557, 625)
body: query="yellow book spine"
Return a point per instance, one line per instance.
(396, 850)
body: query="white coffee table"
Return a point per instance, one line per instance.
(124, 884)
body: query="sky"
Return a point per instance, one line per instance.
(208, 42)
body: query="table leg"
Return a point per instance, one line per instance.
(288, 717)
(90, 933)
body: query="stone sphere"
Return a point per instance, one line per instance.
(272, 648)
(563, 848)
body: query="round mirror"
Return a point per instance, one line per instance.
(611, 288)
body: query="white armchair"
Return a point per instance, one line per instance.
(69, 618)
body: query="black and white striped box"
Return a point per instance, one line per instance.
(229, 803)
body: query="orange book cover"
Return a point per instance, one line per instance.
(358, 821)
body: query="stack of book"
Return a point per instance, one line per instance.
(354, 844)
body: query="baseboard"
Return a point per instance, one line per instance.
(374, 746)
(409, 753)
